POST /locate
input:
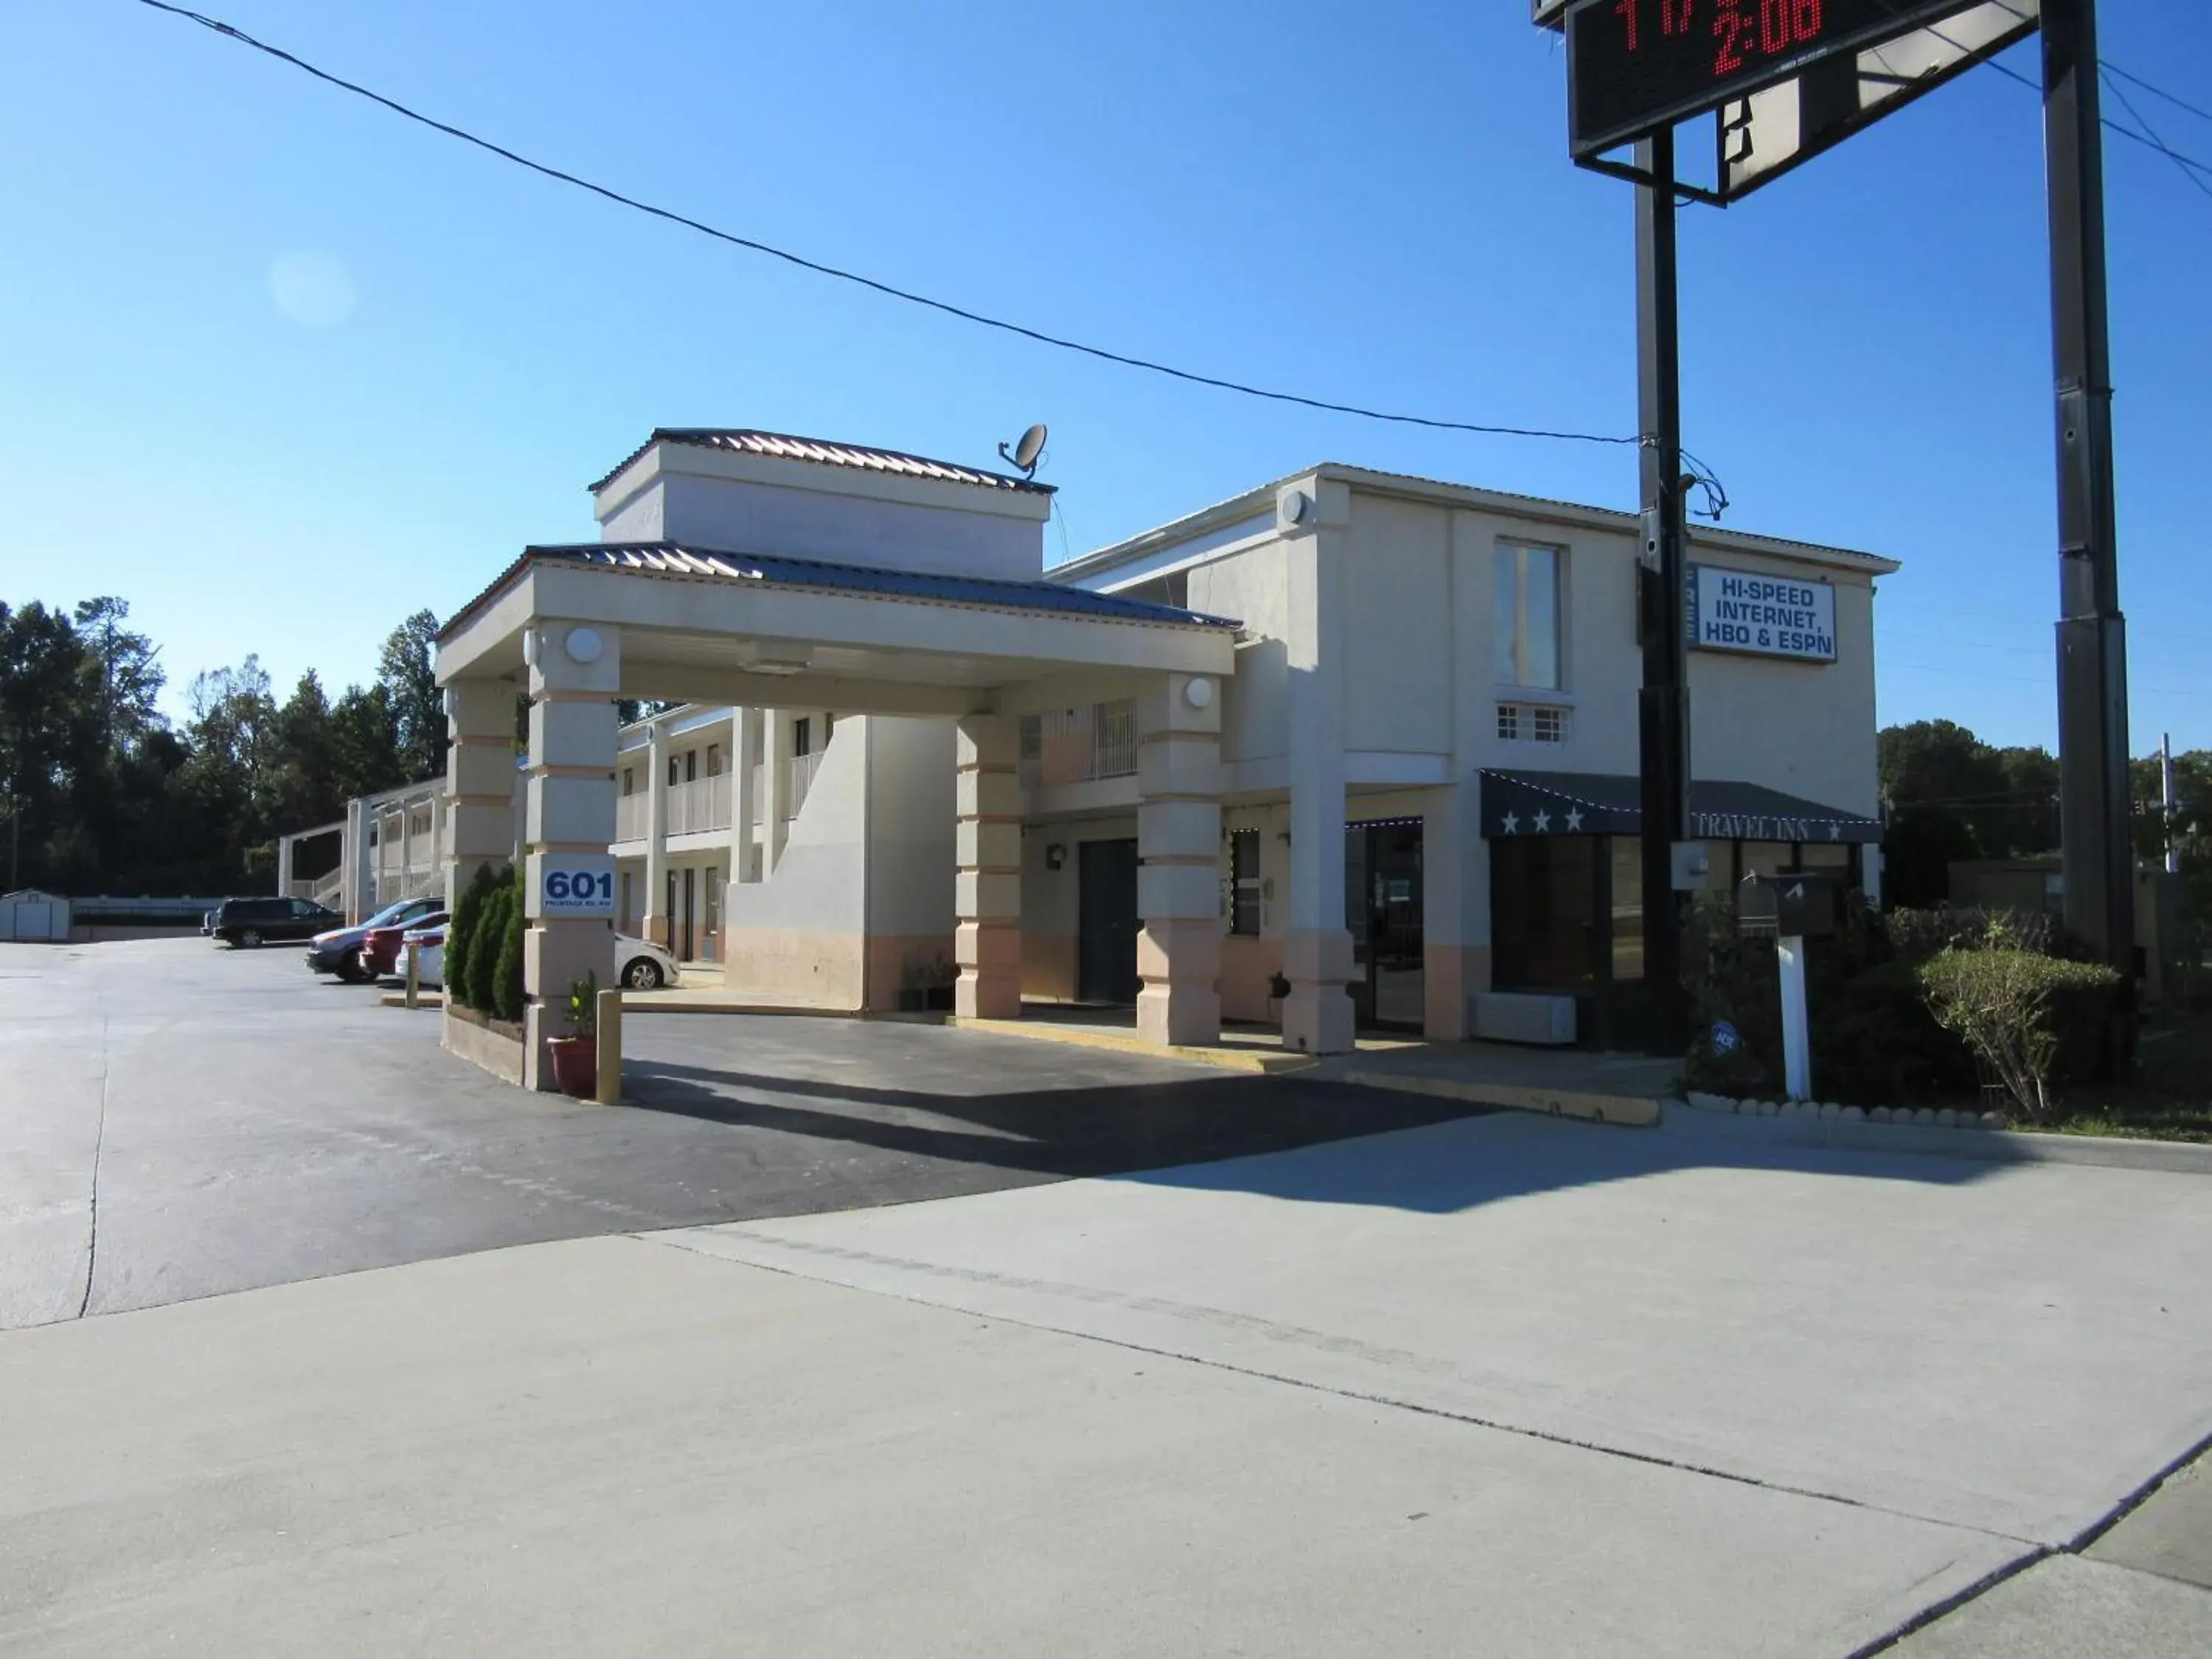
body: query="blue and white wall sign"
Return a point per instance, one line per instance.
(585, 888)
(1765, 616)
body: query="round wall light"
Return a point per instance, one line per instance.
(584, 645)
(1197, 693)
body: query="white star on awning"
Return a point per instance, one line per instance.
(1511, 825)
(1574, 820)
(1543, 823)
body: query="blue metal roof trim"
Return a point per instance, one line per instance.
(673, 559)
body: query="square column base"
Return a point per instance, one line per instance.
(1180, 962)
(1317, 1015)
(990, 958)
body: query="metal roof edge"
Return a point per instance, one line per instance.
(1227, 511)
(703, 437)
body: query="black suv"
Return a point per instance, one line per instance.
(250, 922)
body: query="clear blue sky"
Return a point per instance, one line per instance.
(280, 367)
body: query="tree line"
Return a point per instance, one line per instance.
(1948, 797)
(101, 793)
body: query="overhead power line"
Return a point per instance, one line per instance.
(2151, 132)
(2198, 110)
(889, 290)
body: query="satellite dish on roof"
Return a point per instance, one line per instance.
(1025, 455)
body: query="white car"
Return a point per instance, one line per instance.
(640, 964)
(429, 944)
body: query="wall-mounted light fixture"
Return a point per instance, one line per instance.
(1284, 836)
(1054, 856)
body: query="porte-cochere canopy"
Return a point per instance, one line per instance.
(705, 624)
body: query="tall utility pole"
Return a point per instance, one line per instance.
(2166, 800)
(1663, 705)
(2093, 654)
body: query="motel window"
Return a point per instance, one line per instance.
(1544, 920)
(675, 771)
(802, 737)
(630, 779)
(1763, 858)
(714, 760)
(1528, 615)
(1244, 882)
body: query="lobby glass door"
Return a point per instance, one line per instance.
(1382, 904)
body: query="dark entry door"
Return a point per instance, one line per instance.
(1106, 921)
(1382, 901)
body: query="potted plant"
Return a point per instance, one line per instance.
(577, 1056)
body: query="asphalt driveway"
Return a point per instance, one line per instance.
(179, 1120)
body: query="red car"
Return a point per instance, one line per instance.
(379, 951)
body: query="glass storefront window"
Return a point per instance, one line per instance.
(1825, 855)
(1543, 920)
(1763, 858)
(1628, 907)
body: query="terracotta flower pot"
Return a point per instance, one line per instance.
(575, 1065)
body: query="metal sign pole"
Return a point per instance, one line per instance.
(1796, 1028)
(1663, 703)
(2092, 673)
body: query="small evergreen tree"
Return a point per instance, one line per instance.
(460, 932)
(483, 950)
(507, 984)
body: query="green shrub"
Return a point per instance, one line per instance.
(461, 931)
(483, 949)
(2008, 1003)
(507, 983)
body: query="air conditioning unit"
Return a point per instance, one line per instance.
(1524, 1017)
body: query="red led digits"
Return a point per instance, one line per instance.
(1628, 9)
(1731, 29)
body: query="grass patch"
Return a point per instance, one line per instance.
(2169, 1097)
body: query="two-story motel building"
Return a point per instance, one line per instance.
(1347, 750)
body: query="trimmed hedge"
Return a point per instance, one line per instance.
(1877, 1039)
(2030, 1019)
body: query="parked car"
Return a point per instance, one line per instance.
(243, 923)
(429, 942)
(337, 950)
(380, 950)
(642, 965)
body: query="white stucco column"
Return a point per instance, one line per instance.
(574, 673)
(1317, 1015)
(775, 788)
(284, 867)
(480, 779)
(988, 892)
(656, 835)
(1179, 841)
(744, 750)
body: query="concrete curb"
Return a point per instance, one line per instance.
(1987, 1145)
(1634, 1111)
(423, 999)
(1085, 1036)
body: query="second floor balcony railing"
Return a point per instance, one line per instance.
(632, 816)
(1079, 746)
(702, 805)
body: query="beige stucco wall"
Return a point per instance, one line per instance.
(801, 932)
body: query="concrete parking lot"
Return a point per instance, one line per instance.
(183, 1120)
(1500, 1384)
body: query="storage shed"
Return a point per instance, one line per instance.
(30, 915)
